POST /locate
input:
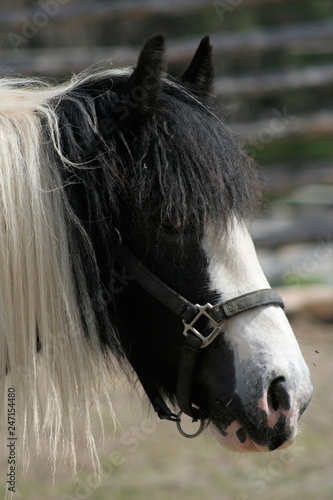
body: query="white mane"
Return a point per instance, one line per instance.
(37, 294)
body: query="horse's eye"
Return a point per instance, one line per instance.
(173, 226)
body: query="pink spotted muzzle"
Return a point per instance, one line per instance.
(270, 424)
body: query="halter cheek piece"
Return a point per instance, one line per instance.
(195, 340)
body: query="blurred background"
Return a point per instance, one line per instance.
(274, 80)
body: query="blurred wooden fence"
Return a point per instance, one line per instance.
(274, 71)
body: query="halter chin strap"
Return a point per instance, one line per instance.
(195, 340)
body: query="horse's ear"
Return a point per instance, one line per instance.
(143, 87)
(200, 73)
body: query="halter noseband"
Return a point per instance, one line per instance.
(189, 314)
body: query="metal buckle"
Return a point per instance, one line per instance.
(217, 327)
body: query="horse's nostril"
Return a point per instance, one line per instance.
(277, 395)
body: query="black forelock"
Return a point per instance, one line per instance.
(189, 166)
(181, 164)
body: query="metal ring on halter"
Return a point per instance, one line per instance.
(183, 433)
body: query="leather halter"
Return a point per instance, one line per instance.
(195, 340)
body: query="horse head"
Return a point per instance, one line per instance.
(190, 187)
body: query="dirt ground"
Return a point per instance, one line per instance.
(148, 460)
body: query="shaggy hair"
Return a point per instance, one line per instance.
(69, 162)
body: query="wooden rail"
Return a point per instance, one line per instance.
(95, 10)
(305, 228)
(282, 124)
(283, 179)
(51, 61)
(277, 82)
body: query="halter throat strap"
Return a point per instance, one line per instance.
(195, 340)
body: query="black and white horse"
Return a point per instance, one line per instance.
(123, 197)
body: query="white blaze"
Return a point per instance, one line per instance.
(262, 340)
(234, 269)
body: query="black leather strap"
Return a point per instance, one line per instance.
(152, 284)
(180, 306)
(189, 355)
(246, 302)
